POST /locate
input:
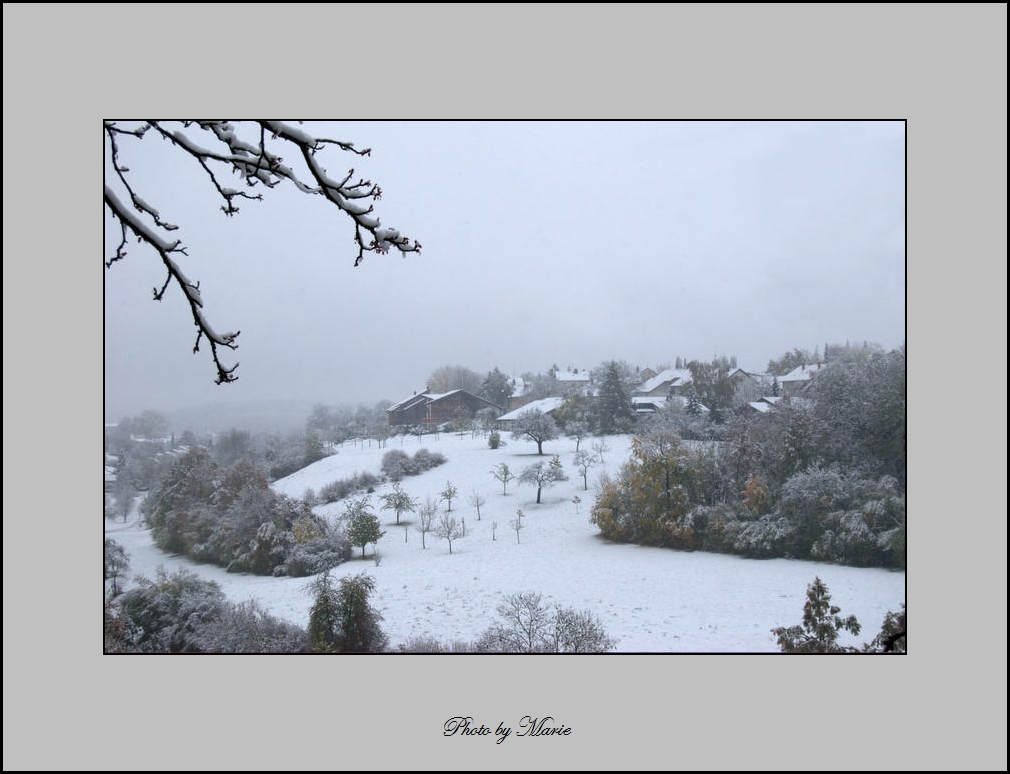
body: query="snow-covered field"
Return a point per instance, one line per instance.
(648, 599)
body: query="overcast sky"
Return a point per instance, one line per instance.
(566, 243)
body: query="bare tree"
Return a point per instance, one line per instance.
(517, 523)
(526, 621)
(528, 625)
(600, 446)
(217, 148)
(583, 462)
(448, 494)
(124, 492)
(426, 518)
(454, 377)
(577, 430)
(476, 499)
(577, 631)
(448, 527)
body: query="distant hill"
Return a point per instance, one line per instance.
(277, 416)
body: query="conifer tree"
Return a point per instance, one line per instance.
(821, 625)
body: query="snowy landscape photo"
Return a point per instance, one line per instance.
(619, 387)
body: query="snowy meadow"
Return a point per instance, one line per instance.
(650, 600)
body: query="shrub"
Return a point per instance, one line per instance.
(345, 487)
(396, 464)
(426, 460)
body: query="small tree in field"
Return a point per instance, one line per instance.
(517, 523)
(448, 527)
(398, 501)
(362, 526)
(577, 431)
(536, 426)
(448, 494)
(583, 462)
(477, 500)
(600, 446)
(503, 474)
(543, 476)
(821, 625)
(426, 518)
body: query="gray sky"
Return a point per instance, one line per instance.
(543, 242)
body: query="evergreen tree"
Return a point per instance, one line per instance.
(821, 625)
(693, 404)
(497, 389)
(614, 410)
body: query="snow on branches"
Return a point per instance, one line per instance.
(217, 148)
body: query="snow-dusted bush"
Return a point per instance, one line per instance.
(316, 555)
(182, 613)
(397, 464)
(426, 460)
(345, 487)
(769, 536)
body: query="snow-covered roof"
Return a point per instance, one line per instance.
(407, 401)
(572, 375)
(801, 373)
(760, 406)
(439, 395)
(427, 397)
(672, 375)
(654, 400)
(545, 405)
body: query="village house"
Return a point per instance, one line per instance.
(546, 406)
(798, 380)
(429, 408)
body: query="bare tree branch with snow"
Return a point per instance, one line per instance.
(217, 149)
